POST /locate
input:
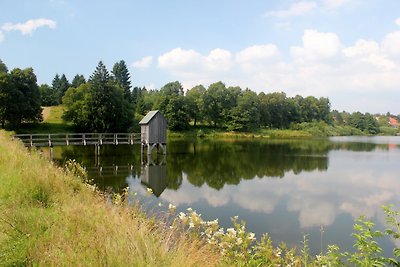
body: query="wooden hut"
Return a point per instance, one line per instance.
(154, 132)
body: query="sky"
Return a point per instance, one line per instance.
(346, 50)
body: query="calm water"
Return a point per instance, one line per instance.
(286, 188)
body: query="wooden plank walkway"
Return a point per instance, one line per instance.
(78, 139)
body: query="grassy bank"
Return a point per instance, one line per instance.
(303, 130)
(52, 122)
(50, 218)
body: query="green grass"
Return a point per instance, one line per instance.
(52, 123)
(50, 218)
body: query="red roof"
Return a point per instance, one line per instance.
(393, 122)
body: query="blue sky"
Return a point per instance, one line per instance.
(347, 50)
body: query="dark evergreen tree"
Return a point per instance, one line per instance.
(3, 67)
(78, 80)
(55, 84)
(122, 77)
(48, 95)
(63, 87)
(99, 105)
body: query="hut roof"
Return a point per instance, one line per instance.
(146, 119)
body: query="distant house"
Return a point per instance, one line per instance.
(154, 131)
(393, 122)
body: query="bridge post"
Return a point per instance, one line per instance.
(97, 154)
(51, 153)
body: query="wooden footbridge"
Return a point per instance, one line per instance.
(76, 139)
(153, 134)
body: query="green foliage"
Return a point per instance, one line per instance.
(276, 110)
(60, 85)
(75, 169)
(368, 250)
(78, 80)
(245, 116)
(322, 129)
(218, 100)
(385, 130)
(171, 103)
(99, 105)
(195, 103)
(122, 77)
(176, 114)
(3, 67)
(19, 98)
(241, 248)
(49, 97)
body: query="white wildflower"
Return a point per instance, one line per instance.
(182, 216)
(171, 208)
(251, 236)
(231, 231)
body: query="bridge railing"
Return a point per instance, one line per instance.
(67, 139)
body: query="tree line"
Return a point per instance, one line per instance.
(106, 102)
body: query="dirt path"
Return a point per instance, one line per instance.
(46, 113)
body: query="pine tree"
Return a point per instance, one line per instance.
(100, 76)
(78, 80)
(3, 67)
(121, 76)
(63, 87)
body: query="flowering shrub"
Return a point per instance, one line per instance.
(241, 248)
(238, 247)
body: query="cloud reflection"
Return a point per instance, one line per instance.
(353, 185)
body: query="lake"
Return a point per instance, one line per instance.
(286, 188)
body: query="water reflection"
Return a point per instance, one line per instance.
(228, 163)
(325, 182)
(154, 173)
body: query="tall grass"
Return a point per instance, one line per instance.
(49, 217)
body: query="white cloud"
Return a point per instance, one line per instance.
(397, 21)
(143, 63)
(368, 52)
(297, 9)
(255, 57)
(335, 3)
(321, 66)
(194, 68)
(257, 53)
(179, 58)
(219, 59)
(29, 26)
(316, 45)
(1, 36)
(391, 44)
